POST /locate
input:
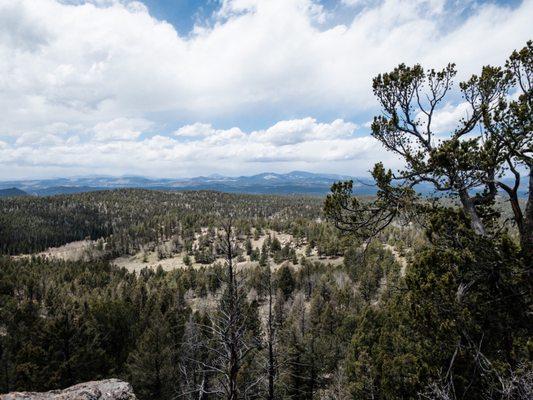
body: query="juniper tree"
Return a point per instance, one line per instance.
(469, 162)
(466, 297)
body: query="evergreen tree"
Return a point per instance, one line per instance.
(285, 281)
(150, 364)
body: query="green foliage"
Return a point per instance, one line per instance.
(464, 298)
(67, 322)
(128, 219)
(285, 280)
(153, 364)
(459, 325)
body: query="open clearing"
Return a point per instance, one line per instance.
(150, 259)
(87, 249)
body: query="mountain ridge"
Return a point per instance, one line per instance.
(12, 192)
(294, 182)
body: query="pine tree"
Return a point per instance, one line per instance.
(149, 365)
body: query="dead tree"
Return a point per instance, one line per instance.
(271, 337)
(228, 339)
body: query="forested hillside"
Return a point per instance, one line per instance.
(379, 321)
(66, 322)
(128, 218)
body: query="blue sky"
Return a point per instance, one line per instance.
(182, 14)
(180, 88)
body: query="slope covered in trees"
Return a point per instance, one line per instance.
(67, 322)
(128, 218)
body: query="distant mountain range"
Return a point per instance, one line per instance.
(295, 182)
(12, 192)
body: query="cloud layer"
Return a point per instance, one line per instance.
(103, 86)
(198, 148)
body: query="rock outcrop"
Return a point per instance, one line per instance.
(109, 389)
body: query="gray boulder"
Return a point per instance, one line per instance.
(109, 389)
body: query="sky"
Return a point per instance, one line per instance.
(180, 88)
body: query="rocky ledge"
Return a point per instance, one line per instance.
(109, 389)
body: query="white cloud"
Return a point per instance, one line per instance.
(99, 62)
(195, 130)
(315, 146)
(295, 131)
(353, 3)
(280, 134)
(121, 129)
(206, 132)
(38, 139)
(106, 67)
(446, 119)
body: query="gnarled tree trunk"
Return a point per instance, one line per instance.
(470, 210)
(526, 231)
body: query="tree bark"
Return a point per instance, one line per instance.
(470, 210)
(271, 361)
(526, 233)
(234, 364)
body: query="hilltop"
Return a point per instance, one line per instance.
(12, 192)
